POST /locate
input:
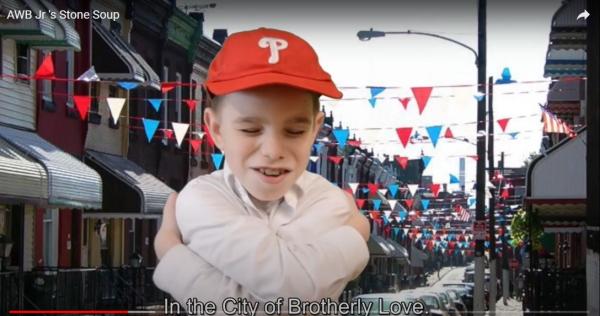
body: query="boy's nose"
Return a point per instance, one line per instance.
(272, 148)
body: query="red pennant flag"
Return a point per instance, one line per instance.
(375, 214)
(503, 122)
(46, 69)
(360, 203)
(404, 102)
(353, 143)
(167, 86)
(474, 157)
(422, 95)
(195, 144)
(208, 136)
(82, 102)
(191, 104)
(167, 133)
(435, 189)
(504, 194)
(335, 159)
(404, 134)
(409, 203)
(402, 161)
(373, 188)
(448, 133)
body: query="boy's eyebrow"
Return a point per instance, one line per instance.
(255, 119)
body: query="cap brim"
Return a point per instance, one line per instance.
(324, 87)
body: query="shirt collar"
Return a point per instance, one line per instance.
(290, 198)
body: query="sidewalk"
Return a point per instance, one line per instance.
(433, 279)
(513, 308)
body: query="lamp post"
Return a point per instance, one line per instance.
(480, 62)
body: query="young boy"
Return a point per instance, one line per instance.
(263, 227)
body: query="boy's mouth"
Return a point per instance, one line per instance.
(272, 172)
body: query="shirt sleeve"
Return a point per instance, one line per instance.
(245, 249)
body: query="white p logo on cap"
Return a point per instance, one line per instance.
(275, 45)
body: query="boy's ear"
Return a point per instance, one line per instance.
(214, 127)
(319, 119)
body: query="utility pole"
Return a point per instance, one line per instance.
(505, 273)
(478, 306)
(492, 209)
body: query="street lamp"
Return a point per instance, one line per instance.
(480, 62)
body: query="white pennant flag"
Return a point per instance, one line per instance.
(382, 191)
(314, 158)
(180, 130)
(405, 231)
(115, 105)
(392, 204)
(89, 75)
(387, 214)
(353, 186)
(200, 134)
(412, 188)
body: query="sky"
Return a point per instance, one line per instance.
(517, 37)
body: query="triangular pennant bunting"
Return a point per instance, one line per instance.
(155, 103)
(435, 189)
(422, 95)
(82, 103)
(341, 135)
(412, 188)
(404, 134)
(434, 133)
(382, 191)
(89, 75)
(425, 204)
(448, 133)
(503, 122)
(217, 160)
(409, 203)
(165, 87)
(393, 189)
(404, 102)
(360, 203)
(127, 85)
(393, 204)
(402, 162)
(513, 135)
(335, 159)
(376, 204)
(426, 160)
(195, 143)
(372, 188)
(180, 130)
(353, 186)
(479, 96)
(454, 179)
(373, 102)
(150, 127)
(115, 105)
(314, 158)
(191, 104)
(46, 68)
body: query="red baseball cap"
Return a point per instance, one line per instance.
(268, 56)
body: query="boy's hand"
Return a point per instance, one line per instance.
(357, 220)
(168, 235)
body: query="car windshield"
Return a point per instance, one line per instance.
(444, 297)
(453, 294)
(431, 301)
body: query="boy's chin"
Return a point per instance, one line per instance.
(267, 197)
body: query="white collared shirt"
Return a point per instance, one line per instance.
(296, 247)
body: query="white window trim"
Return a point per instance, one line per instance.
(50, 248)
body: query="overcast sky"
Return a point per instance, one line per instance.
(517, 37)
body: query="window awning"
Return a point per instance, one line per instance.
(379, 246)
(149, 193)
(21, 178)
(70, 182)
(115, 59)
(39, 33)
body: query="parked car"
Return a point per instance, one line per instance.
(433, 301)
(383, 302)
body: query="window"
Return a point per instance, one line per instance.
(51, 237)
(22, 60)
(178, 96)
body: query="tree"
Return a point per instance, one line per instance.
(520, 229)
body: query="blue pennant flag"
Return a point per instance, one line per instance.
(385, 220)
(150, 127)
(426, 160)
(128, 85)
(434, 133)
(341, 135)
(376, 204)
(453, 179)
(155, 104)
(402, 214)
(217, 160)
(479, 96)
(505, 77)
(513, 135)
(373, 101)
(471, 201)
(393, 189)
(376, 91)
(487, 244)
(425, 204)
(365, 190)
(396, 231)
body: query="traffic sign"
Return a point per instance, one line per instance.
(479, 230)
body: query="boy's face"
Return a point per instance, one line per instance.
(266, 134)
